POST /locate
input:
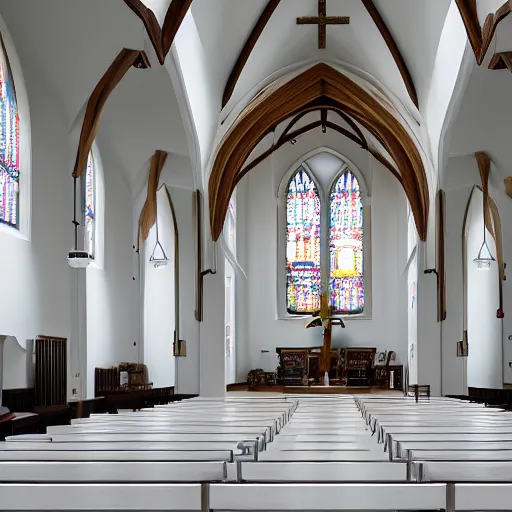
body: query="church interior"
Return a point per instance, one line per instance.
(272, 251)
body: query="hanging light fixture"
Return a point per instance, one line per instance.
(77, 258)
(159, 262)
(484, 258)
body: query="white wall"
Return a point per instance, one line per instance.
(485, 352)
(187, 368)
(412, 317)
(384, 330)
(159, 299)
(111, 328)
(35, 274)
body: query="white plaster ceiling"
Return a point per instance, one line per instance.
(484, 122)
(224, 25)
(69, 44)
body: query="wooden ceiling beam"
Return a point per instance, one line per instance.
(481, 38)
(316, 84)
(491, 24)
(502, 60)
(151, 24)
(173, 20)
(393, 48)
(161, 38)
(247, 49)
(469, 13)
(108, 82)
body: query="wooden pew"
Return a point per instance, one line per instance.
(100, 497)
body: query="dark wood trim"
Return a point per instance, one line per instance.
(441, 277)
(320, 82)
(502, 60)
(393, 48)
(151, 24)
(173, 20)
(481, 38)
(508, 186)
(148, 213)
(108, 82)
(484, 167)
(491, 24)
(247, 49)
(161, 38)
(469, 13)
(498, 238)
(198, 209)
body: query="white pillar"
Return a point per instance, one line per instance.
(3, 410)
(212, 343)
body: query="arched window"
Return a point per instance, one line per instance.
(302, 245)
(9, 145)
(326, 242)
(89, 202)
(346, 279)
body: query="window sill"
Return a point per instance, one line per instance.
(345, 318)
(11, 231)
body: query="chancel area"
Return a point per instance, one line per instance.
(251, 244)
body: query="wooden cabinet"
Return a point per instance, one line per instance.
(358, 366)
(382, 376)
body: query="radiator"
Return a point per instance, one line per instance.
(51, 371)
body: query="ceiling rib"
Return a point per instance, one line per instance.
(161, 38)
(247, 49)
(481, 38)
(108, 82)
(502, 60)
(393, 48)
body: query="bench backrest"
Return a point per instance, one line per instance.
(306, 497)
(100, 497)
(462, 471)
(324, 472)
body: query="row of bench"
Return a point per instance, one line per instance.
(286, 453)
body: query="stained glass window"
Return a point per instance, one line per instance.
(346, 280)
(302, 245)
(9, 145)
(89, 194)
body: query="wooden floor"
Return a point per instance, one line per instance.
(314, 390)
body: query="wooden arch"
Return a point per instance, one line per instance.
(320, 85)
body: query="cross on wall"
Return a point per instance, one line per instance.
(322, 20)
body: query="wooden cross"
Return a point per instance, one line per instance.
(322, 20)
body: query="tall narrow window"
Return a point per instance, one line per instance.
(230, 228)
(9, 145)
(302, 245)
(346, 279)
(89, 201)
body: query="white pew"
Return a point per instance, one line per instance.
(462, 471)
(99, 497)
(473, 497)
(403, 448)
(469, 455)
(155, 438)
(319, 456)
(116, 456)
(320, 497)
(324, 472)
(284, 446)
(96, 472)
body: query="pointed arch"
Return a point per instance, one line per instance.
(319, 85)
(303, 261)
(346, 247)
